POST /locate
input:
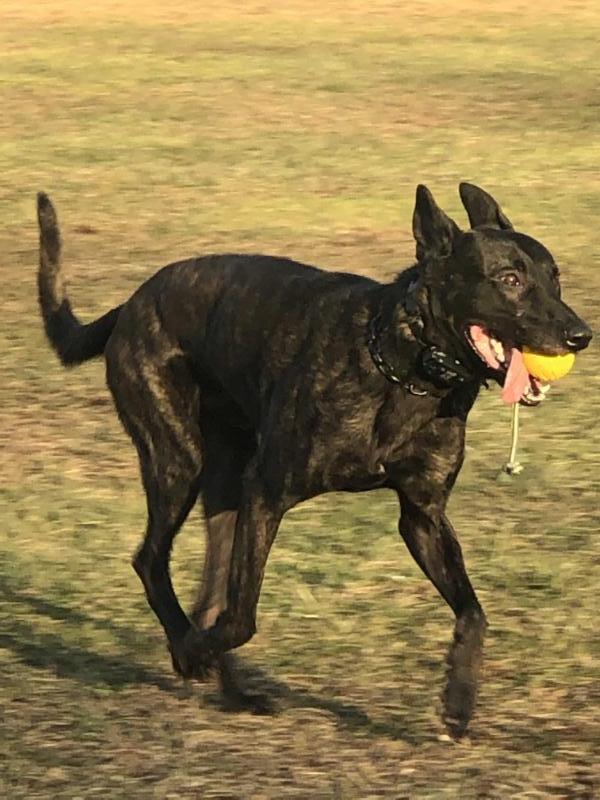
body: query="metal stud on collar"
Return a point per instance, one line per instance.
(410, 387)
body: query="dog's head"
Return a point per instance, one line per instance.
(493, 292)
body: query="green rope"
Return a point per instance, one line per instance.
(512, 466)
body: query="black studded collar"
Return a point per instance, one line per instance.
(431, 366)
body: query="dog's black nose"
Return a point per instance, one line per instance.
(578, 337)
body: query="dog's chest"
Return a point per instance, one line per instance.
(359, 458)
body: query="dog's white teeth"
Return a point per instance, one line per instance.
(544, 389)
(498, 349)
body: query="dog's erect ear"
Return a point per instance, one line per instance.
(433, 230)
(482, 208)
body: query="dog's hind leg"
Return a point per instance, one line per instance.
(170, 498)
(158, 402)
(434, 546)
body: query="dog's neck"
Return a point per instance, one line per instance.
(401, 337)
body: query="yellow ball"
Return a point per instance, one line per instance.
(548, 368)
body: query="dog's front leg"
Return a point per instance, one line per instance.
(434, 546)
(256, 527)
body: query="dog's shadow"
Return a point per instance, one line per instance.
(346, 714)
(44, 650)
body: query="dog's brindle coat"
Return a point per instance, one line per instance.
(258, 382)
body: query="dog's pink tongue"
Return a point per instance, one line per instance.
(517, 378)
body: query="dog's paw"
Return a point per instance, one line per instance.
(464, 663)
(189, 670)
(192, 657)
(459, 704)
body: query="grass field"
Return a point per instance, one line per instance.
(301, 128)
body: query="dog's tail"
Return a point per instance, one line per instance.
(72, 341)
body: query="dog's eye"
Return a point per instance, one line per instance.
(511, 279)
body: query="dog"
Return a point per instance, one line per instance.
(256, 382)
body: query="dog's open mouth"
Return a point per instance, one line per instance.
(518, 386)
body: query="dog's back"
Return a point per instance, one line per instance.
(237, 321)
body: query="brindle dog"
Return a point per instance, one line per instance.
(257, 382)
